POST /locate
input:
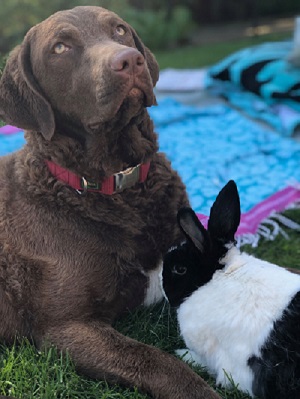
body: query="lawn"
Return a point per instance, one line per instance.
(28, 373)
(208, 54)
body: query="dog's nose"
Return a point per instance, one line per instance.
(128, 62)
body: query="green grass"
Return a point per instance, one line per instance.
(28, 373)
(208, 54)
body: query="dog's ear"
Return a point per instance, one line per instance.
(150, 59)
(22, 102)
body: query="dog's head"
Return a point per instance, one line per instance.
(83, 65)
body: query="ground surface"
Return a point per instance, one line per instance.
(236, 31)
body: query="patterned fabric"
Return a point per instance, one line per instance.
(11, 139)
(263, 70)
(262, 83)
(209, 146)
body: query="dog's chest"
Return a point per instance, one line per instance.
(125, 257)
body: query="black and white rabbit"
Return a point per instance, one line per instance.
(239, 316)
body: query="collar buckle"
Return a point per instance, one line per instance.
(127, 177)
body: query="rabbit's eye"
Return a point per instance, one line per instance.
(179, 270)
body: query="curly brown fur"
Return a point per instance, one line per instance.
(71, 264)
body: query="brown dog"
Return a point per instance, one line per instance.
(81, 240)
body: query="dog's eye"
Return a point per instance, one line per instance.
(60, 48)
(179, 270)
(121, 30)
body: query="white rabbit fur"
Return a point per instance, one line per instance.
(228, 320)
(238, 315)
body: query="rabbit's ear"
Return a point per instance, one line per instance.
(225, 214)
(192, 228)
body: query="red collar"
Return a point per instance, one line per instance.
(115, 183)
